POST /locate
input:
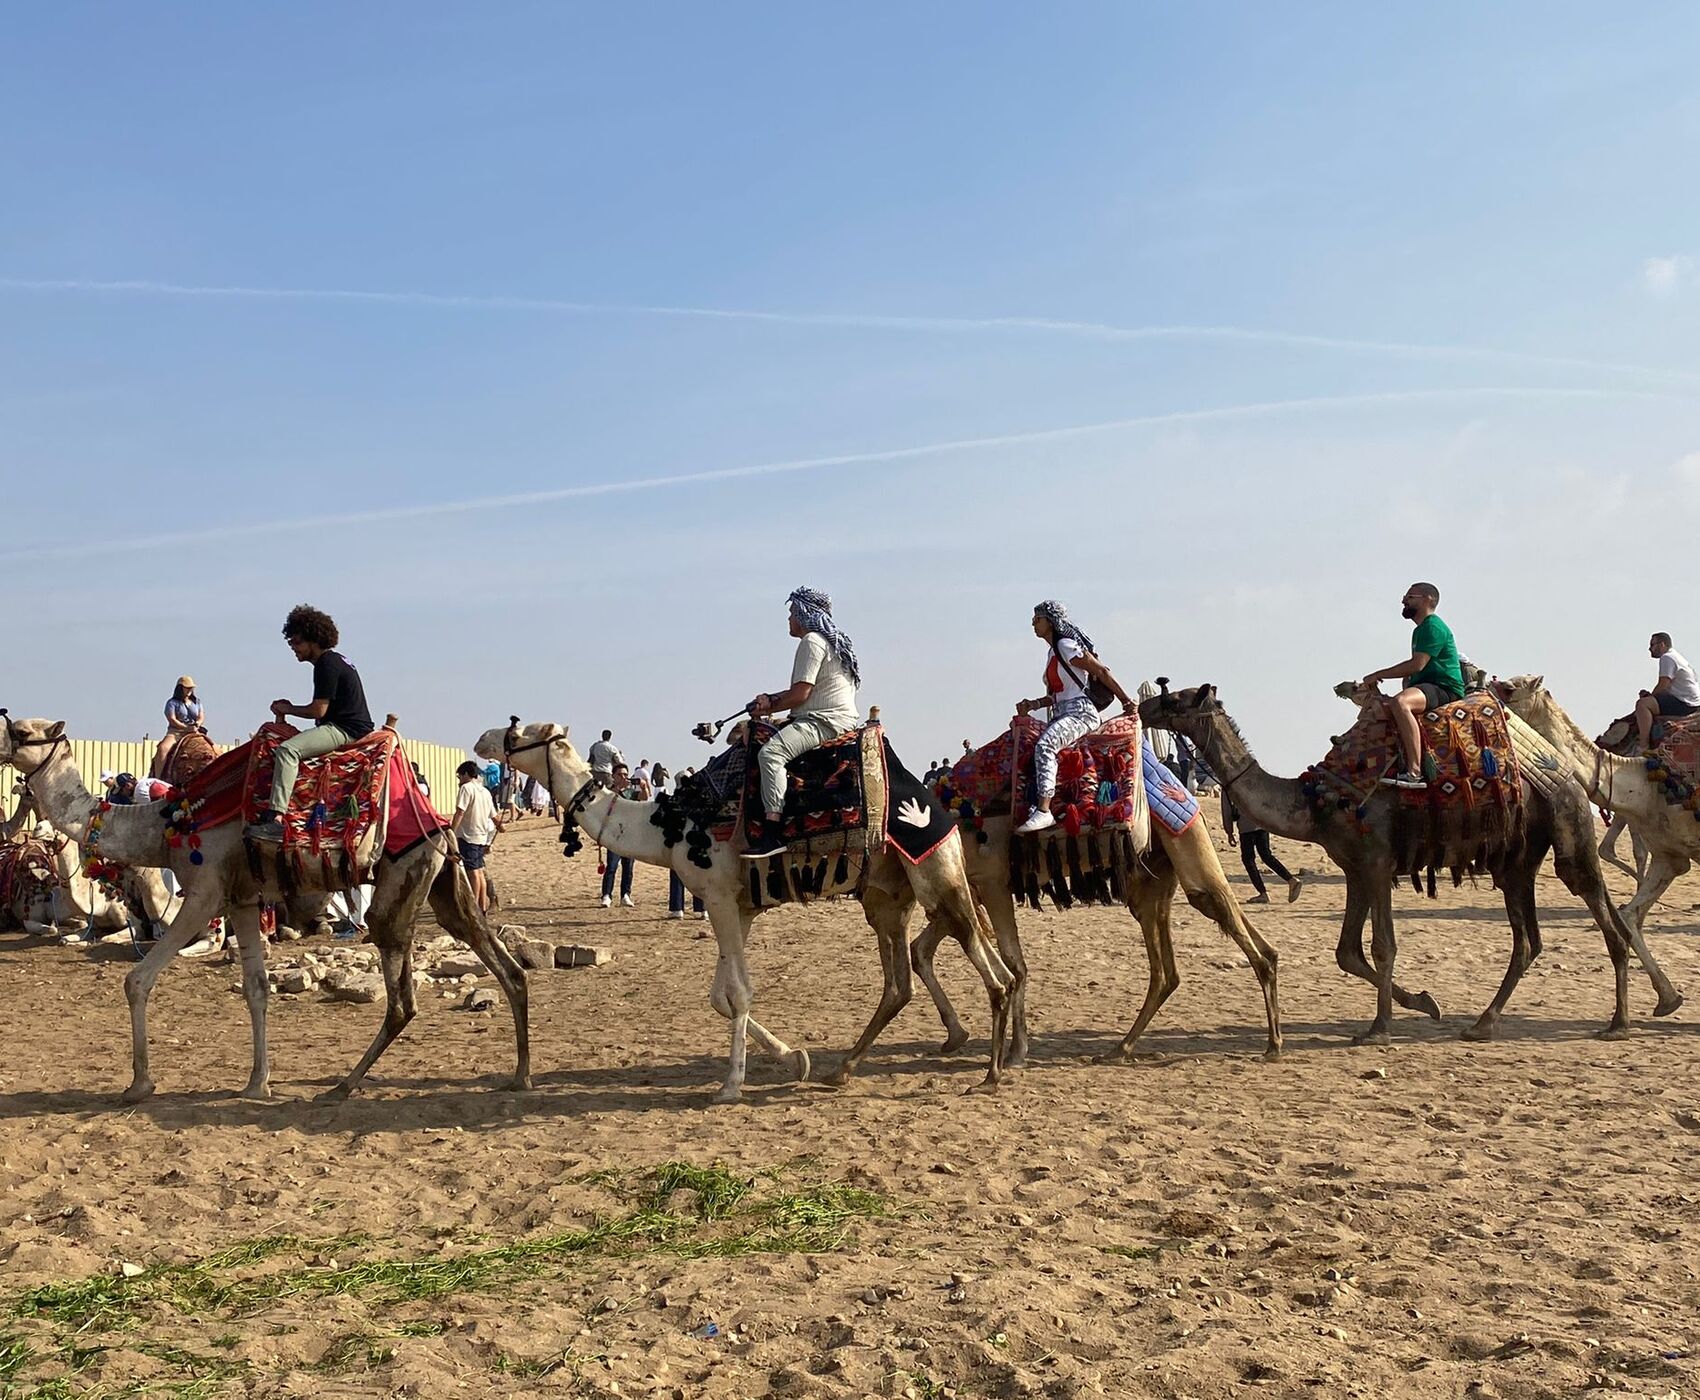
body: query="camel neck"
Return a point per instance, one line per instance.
(1276, 804)
(1609, 778)
(128, 835)
(618, 824)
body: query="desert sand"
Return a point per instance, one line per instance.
(1434, 1219)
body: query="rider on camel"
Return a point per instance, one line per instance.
(1432, 677)
(821, 699)
(1071, 675)
(1677, 693)
(184, 714)
(337, 709)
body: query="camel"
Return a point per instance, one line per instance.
(224, 882)
(1188, 860)
(892, 886)
(1623, 785)
(1558, 818)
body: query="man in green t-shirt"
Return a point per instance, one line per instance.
(1432, 677)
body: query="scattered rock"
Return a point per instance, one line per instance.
(461, 964)
(578, 955)
(129, 1270)
(533, 954)
(295, 980)
(479, 999)
(1377, 1073)
(354, 986)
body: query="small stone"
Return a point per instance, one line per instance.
(533, 954)
(578, 955)
(871, 1296)
(1377, 1073)
(129, 1270)
(459, 965)
(479, 999)
(354, 986)
(295, 980)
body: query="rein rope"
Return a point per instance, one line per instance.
(571, 842)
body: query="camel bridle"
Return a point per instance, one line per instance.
(19, 740)
(1168, 702)
(572, 807)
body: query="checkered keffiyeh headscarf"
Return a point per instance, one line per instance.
(1057, 615)
(813, 609)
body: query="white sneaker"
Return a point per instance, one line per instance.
(607, 900)
(703, 916)
(1040, 820)
(675, 913)
(626, 900)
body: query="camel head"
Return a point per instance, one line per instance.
(533, 749)
(1528, 699)
(1357, 692)
(26, 744)
(1186, 712)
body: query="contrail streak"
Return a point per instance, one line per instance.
(851, 320)
(811, 464)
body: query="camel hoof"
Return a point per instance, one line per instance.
(1272, 1054)
(256, 1093)
(1613, 1033)
(954, 1041)
(837, 1079)
(728, 1094)
(519, 1084)
(1481, 1031)
(141, 1089)
(1015, 1060)
(1373, 1036)
(337, 1093)
(800, 1066)
(988, 1085)
(1664, 1008)
(1121, 1055)
(1426, 1004)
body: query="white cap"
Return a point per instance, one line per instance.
(107, 775)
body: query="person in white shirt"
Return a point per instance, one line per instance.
(1070, 676)
(821, 699)
(1677, 692)
(475, 828)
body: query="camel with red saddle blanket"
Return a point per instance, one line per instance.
(43, 885)
(856, 855)
(1658, 794)
(1497, 817)
(1091, 856)
(197, 834)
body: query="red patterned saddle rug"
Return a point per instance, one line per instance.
(26, 870)
(1100, 780)
(1473, 804)
(349, 807)
(1674, 763)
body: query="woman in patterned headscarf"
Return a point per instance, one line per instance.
(1076, 684)
(821, 699)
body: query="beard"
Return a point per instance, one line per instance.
(1408, 612)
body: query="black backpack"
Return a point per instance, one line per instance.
(1097, 692)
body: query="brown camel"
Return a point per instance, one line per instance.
(1557, 818)
(225, 882)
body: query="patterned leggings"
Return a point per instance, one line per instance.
(1071, 721)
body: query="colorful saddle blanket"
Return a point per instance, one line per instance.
(1468, 759)
(26, 870)
(1674, 763)
(348, 808)
(1102, 782)
(824, 791)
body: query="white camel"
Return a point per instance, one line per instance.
(232, 879)
(1671, 833)
(893, 886)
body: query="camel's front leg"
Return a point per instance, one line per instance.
(244, 922)
(1349, 952)
(198, 907)
(1000, 909)
(1663, 867)
(732, 992)
(396, 958)
(1525, 943)
(1383, 949)
(890, 924)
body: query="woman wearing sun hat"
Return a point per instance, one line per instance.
(184, 714)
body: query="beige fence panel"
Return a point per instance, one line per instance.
(96, 756)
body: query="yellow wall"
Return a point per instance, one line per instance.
(95, 756)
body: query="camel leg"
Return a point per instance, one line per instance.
(243, 923)
(1001, 911)
(1150, 904)
(992, 972)
(1217, 903)
(1662, 868)
(732, 991)
(889, 918)
(1579, 869)
(204, 901)
(395, 956)
(1349, 952)
(1384, 949)
(921, 960)
(1525, 944)
(457, 911)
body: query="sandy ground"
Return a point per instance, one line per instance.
(1516, 1219)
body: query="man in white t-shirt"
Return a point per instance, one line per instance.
(821, 699)
(475, 827)
(1677, 692)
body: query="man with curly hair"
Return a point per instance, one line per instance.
(337, 709)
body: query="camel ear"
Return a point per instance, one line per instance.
(1206, 693)
(56, 730)
(1537, 682)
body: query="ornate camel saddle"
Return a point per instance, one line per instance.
(844, 803)
(1674, 763)
(26, 869)
(349, 808)
(1472, 809)
(1108, 787)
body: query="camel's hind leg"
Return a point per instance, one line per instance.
(457, 911)
(1209, 893)
(888, 915)
(395, 956)
(243, 923)
(200, 905)
(953, 902)
(1000, 909)
(1152, 892)
(1519, 889)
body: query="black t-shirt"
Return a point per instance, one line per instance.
(335, 681)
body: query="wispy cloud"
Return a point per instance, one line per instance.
(1223, 413)
(1665, 277)
(949, 325)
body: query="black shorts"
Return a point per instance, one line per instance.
(1433, 696)
(471, 854)
(1670, 705)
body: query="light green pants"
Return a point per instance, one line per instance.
(286, 758)
(794, 739)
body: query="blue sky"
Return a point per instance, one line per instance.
(314, 262)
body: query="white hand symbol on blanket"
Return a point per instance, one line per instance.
(913, 813)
